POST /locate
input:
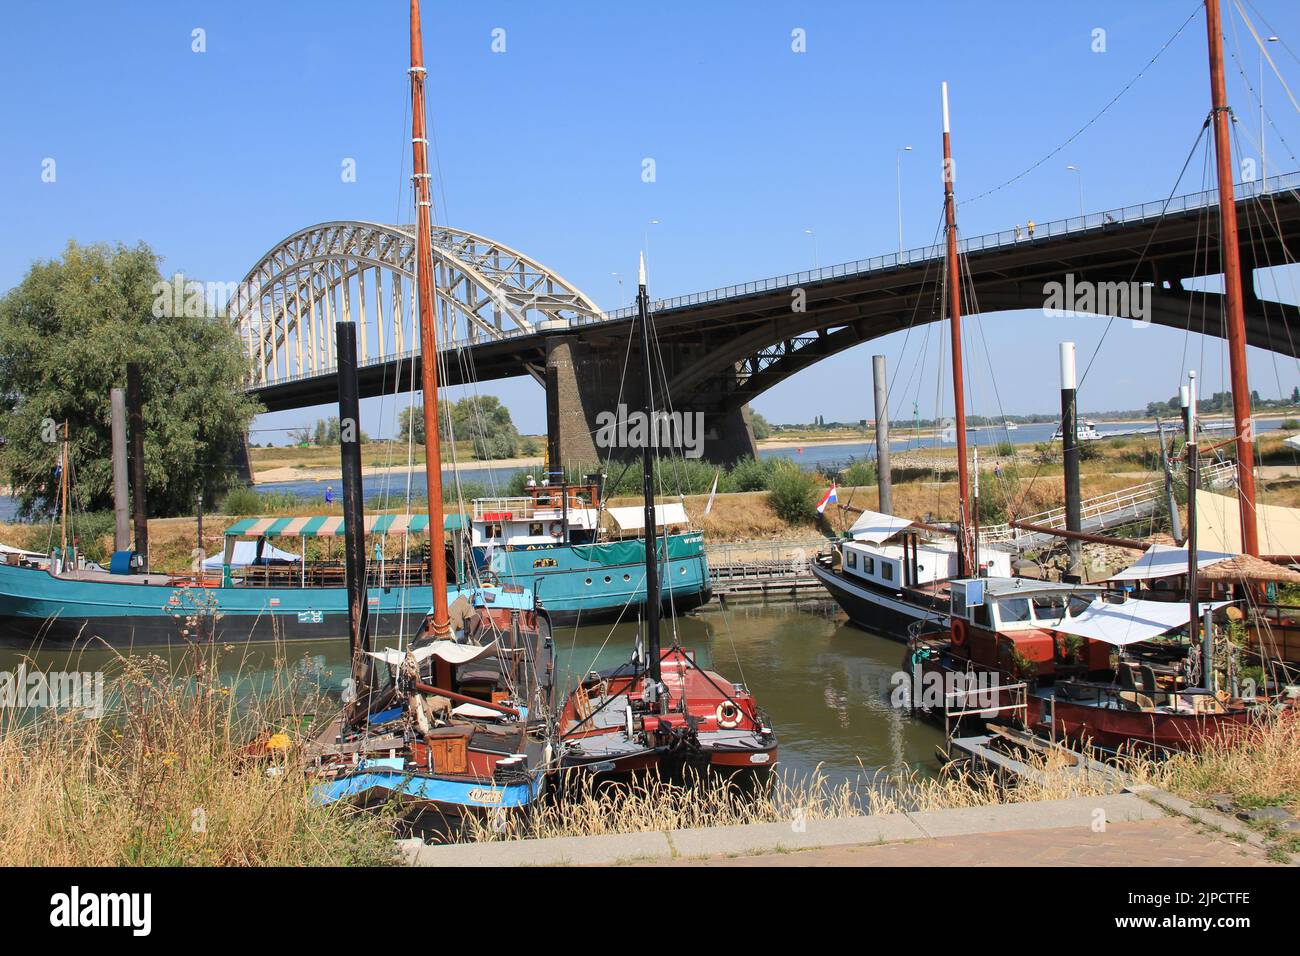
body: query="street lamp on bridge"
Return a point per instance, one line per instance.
(1078, 172)
(816, 259)
(898, 189)
(646, 236)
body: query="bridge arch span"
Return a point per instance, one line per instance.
(353, 270)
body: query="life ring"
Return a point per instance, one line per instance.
(958, 633)
(557, 530)
(729, 715)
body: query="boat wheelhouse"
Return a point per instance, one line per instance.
(552, 540)
(890, 572)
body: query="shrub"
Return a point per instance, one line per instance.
(859, 473)
(749, 474)
(241, 501)
(792, 493)
(1005, 449)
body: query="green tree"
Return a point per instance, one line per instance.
(479, 419)
(760, 425)
(67, 332)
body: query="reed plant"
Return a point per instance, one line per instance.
(652, 803)
(179, 769)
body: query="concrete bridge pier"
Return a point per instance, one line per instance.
(584, 380)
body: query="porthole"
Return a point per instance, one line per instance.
(588, 582)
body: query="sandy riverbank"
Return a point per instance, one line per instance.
(323, 473)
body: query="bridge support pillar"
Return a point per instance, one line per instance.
(244, 463)
(579, 385)
(582, 382)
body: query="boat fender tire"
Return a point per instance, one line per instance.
(556, 530)
(959, 633)
(728, 715)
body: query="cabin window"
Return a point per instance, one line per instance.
(1013, 610)
(1049, 608)
(887, 570)
(1079, 603)
(535, 529)
(853, 559)
(492, 531)
(868, 564)
(959, 600)
(980, 615)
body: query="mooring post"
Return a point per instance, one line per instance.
(884, 475)
(1171, 500)
(121, 496)
(135, 411)
(1070, 453)
(354, 527)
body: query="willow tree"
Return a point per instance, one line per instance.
(67, 332)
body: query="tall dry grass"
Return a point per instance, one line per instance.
(653, 804)
(1258, 767)
(165, 778)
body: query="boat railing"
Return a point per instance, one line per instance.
(524, 507)
(331, 574)
(1020, 702)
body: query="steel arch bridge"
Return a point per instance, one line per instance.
(286, 307)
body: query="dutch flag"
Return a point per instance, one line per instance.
(827, 499)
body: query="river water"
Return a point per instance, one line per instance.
(382, 490)
(824, 684)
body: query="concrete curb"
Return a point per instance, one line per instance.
(1204, 816)
(757, 838)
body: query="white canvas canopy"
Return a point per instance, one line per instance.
(29, 555)
(1130, 622)
(245, 553)
(1164, 561)
(874, 527)
(1218, 525)
(1292, 442)
(449, 651)
(632, 518)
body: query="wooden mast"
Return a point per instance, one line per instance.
(1234, 308)
(964, 563)
(428, 337)
(647, 483)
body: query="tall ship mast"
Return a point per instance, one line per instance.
(441, 626)
(893, 575)
(1234, 309)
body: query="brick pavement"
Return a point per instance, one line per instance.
(1168, 842)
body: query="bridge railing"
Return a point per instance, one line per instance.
(1006, 237)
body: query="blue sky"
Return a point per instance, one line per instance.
(213, 157)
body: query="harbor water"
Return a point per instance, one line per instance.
(824, 684)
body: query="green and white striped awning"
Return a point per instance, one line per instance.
(331, 526)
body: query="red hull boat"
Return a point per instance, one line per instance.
(620, 723)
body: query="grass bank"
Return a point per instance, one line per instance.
(163, 779)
